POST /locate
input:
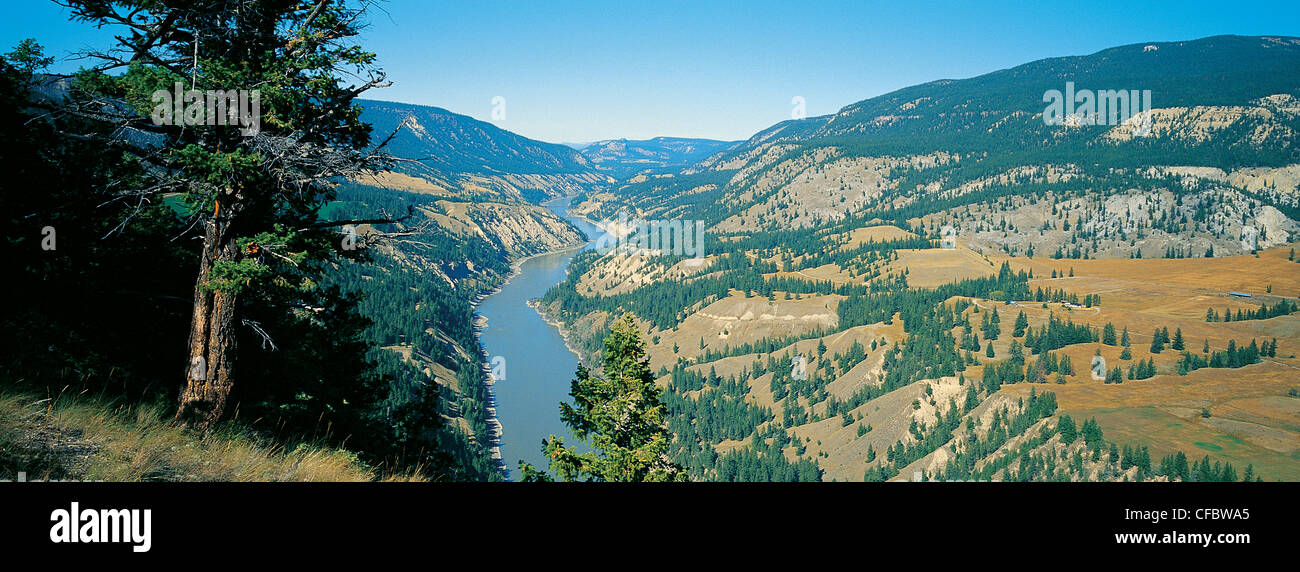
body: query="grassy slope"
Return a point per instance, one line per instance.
(84, 438)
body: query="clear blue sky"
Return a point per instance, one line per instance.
(584, 71)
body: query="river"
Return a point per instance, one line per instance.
(538, 366)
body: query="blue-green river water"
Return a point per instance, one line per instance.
(538, 366)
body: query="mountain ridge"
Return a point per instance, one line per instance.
(624, 158)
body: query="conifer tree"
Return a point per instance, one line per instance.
(1021, 323)
(255, 192)
(1157, 342)
(1108, 334)
(619, 414)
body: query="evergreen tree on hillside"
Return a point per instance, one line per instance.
(1116, 375)
(1157, 342)
(67, 312)
(620, 414)
(255, 197)
(1067, 429)
(1108, 334)
(1021, 323)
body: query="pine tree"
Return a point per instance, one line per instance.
(1116, 375)
(1157, 342)
(1178, 340)
(620, 416)
(256, 199)
(1108, 334)
(1067, 429)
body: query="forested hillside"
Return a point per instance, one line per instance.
(339, 251)
(129, 232)
(884, 288)
(471, 191)
(941, 282)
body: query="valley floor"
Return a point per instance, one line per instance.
(1247, 416)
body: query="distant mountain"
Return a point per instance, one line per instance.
(453, 142)
(914, 216)
(623, 158)
(472, 158)
(1003, 110)
(1223, 119)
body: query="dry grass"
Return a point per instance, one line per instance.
(736, 320)
(1253, 420)
(401, 182)
(935, 267)
(879, 233)
(1213, 276)
(84, 438)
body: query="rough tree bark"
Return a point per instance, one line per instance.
(209, 373)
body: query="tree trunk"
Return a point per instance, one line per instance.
(208, 378)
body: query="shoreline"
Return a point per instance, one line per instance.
(515, 265)
(559, 328)
(480, 323)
